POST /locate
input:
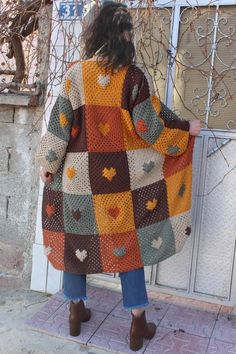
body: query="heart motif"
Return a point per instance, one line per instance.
(70, 172)
(148, 166)
(51, 156)
(109, 173)
(75, 132)
(151, 204)
(50, 210)
(76, 214)
(141, 126)
(63, 120)
(47, 250)
(104, 128)
(104, 80)
(81, 255)
(172, 150)
(68, 86)
(188, 230)
(119, 251)
(182, 190)
(114, 212)
(157, 243)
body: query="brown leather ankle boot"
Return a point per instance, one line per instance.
(140, 330)
(78, 314)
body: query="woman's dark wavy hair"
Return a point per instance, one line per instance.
(110, 37)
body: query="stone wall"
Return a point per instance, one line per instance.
(18, 192)
(20, 131)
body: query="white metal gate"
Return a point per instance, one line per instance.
(205, 268)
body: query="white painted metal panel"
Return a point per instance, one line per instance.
(218, 226)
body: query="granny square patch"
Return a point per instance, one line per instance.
(150, 204)
(52, 210)
(114, 212)
(156, 242)
(123, 250)
(76, 174)
(79, 214)
(109, 172)
(78, 142)
(104, 132)
(82, 252)
(145, 167)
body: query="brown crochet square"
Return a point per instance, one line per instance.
(150, 204)
(52, 210)
(78, 244)
(109, 172)
(77, 142)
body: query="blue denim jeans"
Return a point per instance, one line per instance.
(132, 283)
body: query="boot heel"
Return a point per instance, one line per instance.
(135, 343)
(75, 328)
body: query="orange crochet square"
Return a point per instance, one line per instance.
(123, 250)
(174, 164)
(171, 139)
(54, 243)
(132, 140)
(104, 129)
(101, 87)
(114, 212)
(179, 191)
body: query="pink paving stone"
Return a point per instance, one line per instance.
(46, 311)
(219, 347)
(102, 299)
(225, 329)
(59, 326)
(155, 311)
(168, 342)
(191, 320)
(113, 334)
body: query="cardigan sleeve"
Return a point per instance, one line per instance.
(53, 144)
(154, 122)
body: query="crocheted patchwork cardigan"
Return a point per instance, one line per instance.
(122, 164)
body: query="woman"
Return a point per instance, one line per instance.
(116, 163)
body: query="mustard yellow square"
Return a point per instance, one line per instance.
(100, 86)
(179, 187)
(114, 212)
(132, 140)
(172, 142)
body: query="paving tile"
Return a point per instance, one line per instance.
(225, 329)
(191, 320)
(59, 326)
(219, 347)
(154, 312)
(46, 311)
(184, 301)
(113, 334)
(102, 299)
(171, 342)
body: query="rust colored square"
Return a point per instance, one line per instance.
(120, 252)
(54, 243)
(174, 164)
(104, 129)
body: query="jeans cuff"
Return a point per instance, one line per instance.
(74, 298)
(135, 306)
